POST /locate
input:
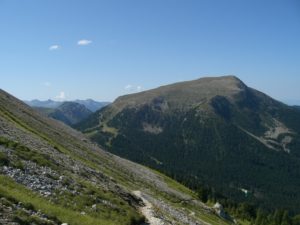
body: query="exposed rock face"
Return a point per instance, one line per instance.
(219, 210)
(40, 179)
(153, 129)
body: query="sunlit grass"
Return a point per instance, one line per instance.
(10, 189)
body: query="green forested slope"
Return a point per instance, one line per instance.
(212, 132)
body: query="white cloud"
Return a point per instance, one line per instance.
(84, 42)
(131, 88)
(54, 47)
(128, 87)
(61, 96)
(47, 84)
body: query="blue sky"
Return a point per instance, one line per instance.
(67, 49)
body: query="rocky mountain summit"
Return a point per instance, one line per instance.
(52, 174)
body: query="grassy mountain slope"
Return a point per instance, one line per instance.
(214, 132)
(51, 174)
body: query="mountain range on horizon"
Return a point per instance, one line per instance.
(90, 104)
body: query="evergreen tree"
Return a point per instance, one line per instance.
(286, 218)
(203, 194)
(277, 217)
(296, 220)
(260, 217)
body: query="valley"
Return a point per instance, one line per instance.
(51, 174)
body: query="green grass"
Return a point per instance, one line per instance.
(56, 145)
(25, 153)
(211, 218)
(243, 222)
(4, 161)
(109, 129)
(90, 195)
(10, 189)
(174, 184)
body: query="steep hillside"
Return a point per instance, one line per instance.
(212, 132)
(51, 174)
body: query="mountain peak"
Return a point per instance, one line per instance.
(186, 94)
(212, 130)
(225, 77)
(227, 82)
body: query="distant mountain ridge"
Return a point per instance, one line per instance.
(90, 104)
(45, 104)
(214, 131)
(297, 106)
(68, 112)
